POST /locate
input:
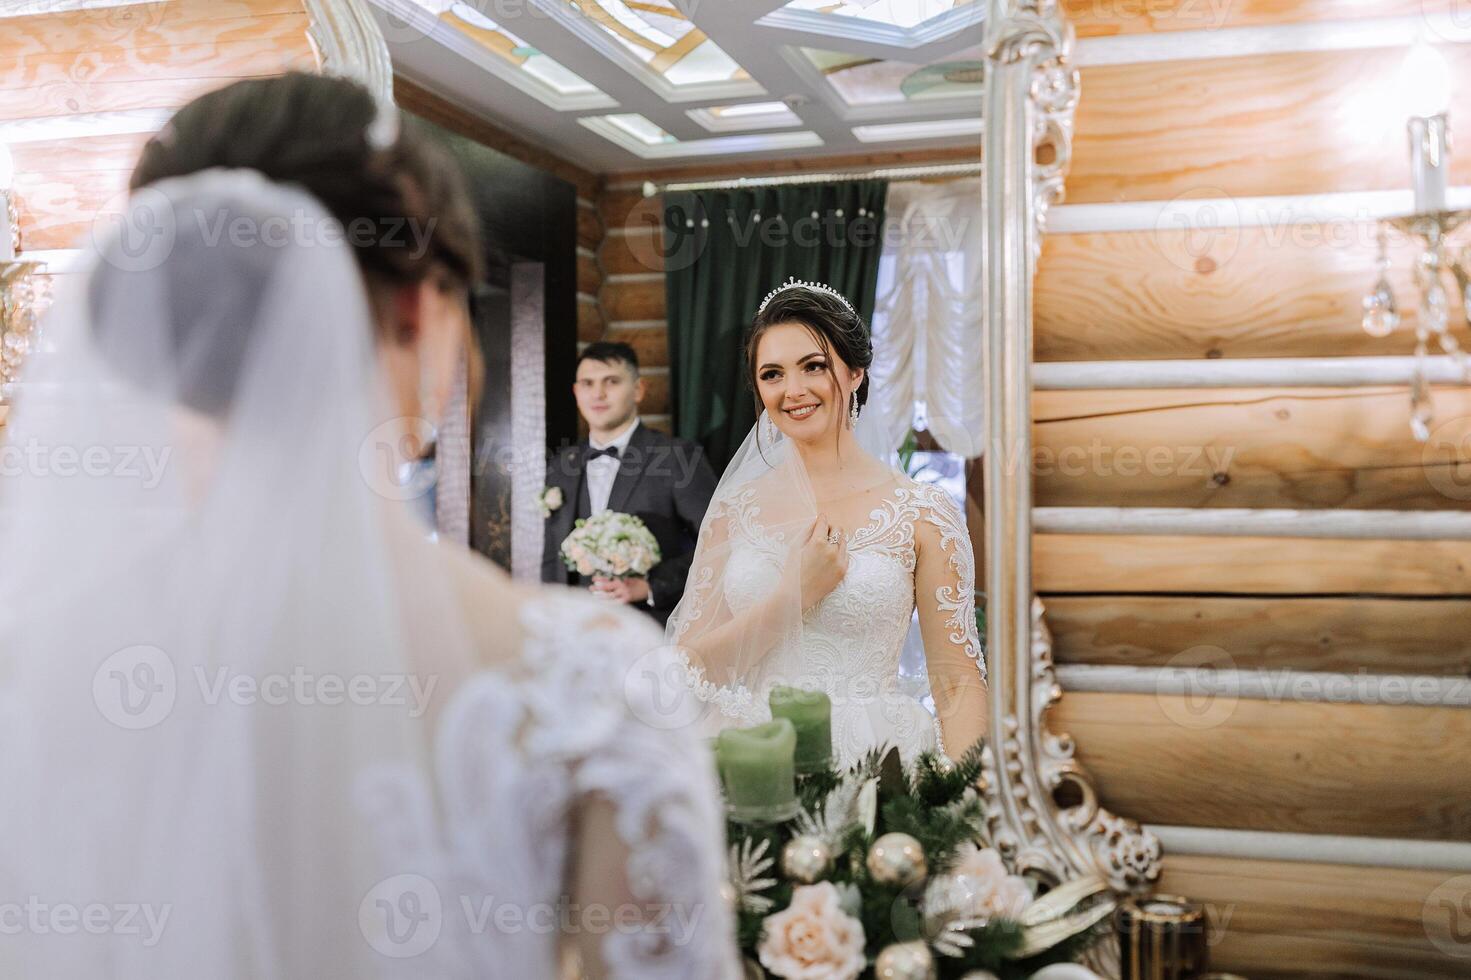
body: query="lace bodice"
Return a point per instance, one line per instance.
(487, 845)
(850, 642)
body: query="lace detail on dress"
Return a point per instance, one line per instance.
(957, 601)
(513, 759)
(851, 641)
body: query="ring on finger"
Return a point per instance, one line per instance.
(834, 536)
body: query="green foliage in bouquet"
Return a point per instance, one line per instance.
(933, 802)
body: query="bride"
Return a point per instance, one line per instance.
(814, 555)
(255, 725)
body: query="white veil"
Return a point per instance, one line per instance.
(205, 640)
(732, 619)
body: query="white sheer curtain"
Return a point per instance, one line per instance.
(927, 332)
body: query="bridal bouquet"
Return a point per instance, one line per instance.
(883, 871)
(611, 545)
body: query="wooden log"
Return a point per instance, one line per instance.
(1365, 770)
(1078, 563)
(589, 275)
(1252, 447)
(589, 227)
(656, 398)
(638, 300)
(590, 322)
(1294, 919)
(1280, 290)
(633, 254)
(1095, 18)
(1253, 125)
(141, 25)
(650, 345)
(1403, 636)
(60, 210)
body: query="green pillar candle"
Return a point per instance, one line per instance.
(757, 771)
(810, 713)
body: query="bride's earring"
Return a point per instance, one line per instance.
(853, 410)
(769, 428)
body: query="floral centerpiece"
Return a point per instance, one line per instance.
(885, 872)
(610, 545)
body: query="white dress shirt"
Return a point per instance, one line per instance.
(601, 472)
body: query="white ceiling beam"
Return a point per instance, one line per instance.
(730, 25)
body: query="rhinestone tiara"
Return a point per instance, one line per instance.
(793, 283)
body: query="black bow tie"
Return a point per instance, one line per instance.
(593, 454)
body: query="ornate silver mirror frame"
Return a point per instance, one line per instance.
(1031, 91)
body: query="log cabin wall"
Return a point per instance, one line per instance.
(1243, 105)
(86, 86)
(629, 270)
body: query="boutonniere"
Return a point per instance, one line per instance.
(548, 500)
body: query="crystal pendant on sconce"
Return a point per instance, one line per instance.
(1434, 310)
(1381, 315)
(1420, 419)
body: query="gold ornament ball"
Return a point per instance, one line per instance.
(897, 859)
(806, 859)
(905, 961)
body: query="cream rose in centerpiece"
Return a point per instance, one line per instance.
(813, 938)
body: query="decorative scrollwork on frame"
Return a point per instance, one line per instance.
(1044, 811)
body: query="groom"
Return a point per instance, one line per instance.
(627, 467)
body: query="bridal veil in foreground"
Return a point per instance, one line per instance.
(244, 731)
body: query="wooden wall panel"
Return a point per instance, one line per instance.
(1105, 18)
(650, 344)
(1284, 290)
(145, 56)
(1093, 563)
(1300, 123)
(1250, 447)
(1348, 635)
(631, 254)
(641, 300)
(1295, 919)
(1276, 766)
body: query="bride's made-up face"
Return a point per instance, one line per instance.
(796, 386)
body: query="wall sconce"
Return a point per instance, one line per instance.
(19, 291)
(1425, 91)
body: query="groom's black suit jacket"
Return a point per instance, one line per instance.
(662, 480)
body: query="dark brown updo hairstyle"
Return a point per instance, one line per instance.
(835, 327)
(312, 131)
(405, 208)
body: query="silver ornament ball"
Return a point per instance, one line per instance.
(897, 859)
(980, 975)
(905, 961)
(944, 765)
(806, 859)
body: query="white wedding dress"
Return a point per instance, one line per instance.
(254, 725)
(912, 552)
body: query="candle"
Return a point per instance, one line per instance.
(756, 768)
(1429, 162)
(810, 713)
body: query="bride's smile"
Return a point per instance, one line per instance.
(799, 380)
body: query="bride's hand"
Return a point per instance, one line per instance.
(824, 562)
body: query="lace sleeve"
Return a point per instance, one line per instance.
(944, 589)
(649, 845)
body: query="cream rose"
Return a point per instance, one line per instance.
(813, 938)
(997, 893)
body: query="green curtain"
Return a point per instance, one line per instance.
(724, 251)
